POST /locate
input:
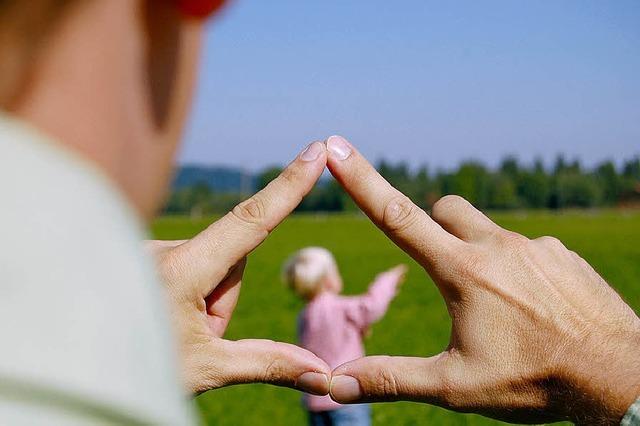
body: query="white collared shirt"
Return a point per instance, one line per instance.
(84, 336)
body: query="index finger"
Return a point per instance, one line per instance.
(235, 235)
(394, 213)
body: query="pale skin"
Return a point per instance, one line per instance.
(333, 281)
(537, 334)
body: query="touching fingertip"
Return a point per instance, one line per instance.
(345, 389)
(312, 152)
(338, 148)
(314, 383)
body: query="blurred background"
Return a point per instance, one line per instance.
(426, 89)
(530, 110)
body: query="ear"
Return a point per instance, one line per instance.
(199, 9)
(163, 26)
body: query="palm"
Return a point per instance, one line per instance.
(203, 278)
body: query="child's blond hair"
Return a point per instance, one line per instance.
(306, 270)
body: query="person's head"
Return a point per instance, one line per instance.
(110, 79)
(311, 271)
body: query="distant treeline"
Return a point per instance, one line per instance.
(512, 185)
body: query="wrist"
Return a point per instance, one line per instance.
(608, 382)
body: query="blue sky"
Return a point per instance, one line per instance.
(419, 81)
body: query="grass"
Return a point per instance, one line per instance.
(417, 321)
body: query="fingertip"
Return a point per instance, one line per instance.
(338, 148)
(346, 163)
(313, 382)
(309, 165)
(345, 389)
(278, 363)
(313, 152)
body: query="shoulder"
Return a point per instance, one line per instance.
(346, 302)
(65, 224)
(81, 311)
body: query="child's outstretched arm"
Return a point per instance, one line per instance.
(370, 307)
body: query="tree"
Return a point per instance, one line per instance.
(631, 169)
(560, 165)
(577, 190)
(471, 181)
(422, 188)
(630, 181)
(502, 192)
(397, 175)
(534, 189)
(511, 185)
(510, 168)
(609, 181)
(195, 200)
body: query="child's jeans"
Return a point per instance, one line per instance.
(349, 415)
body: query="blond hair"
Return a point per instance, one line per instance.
(306, 270)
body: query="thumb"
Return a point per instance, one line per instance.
(282, 364)
(386, 378)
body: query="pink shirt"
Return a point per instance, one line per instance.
(332, 327)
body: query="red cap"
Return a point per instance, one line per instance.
(199, 8)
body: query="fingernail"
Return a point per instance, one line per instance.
(312, 152)
(345, 389)
(338, 147)
(315, 383)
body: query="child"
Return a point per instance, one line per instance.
(333, 326)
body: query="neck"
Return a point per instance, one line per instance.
(75, 90)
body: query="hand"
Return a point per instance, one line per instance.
(399, 273)
(537, 335)
(203, 277)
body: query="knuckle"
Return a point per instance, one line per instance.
(289, 175)
(171, 268)
(447, 205)
(473, 265)
(251, 211)
(551, 242)
(273, 372)
(399, 214)
(275, 367)
(513, 240)
(168, 267)
(451, 389)
(386, 383)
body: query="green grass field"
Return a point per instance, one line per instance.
(417, 321)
